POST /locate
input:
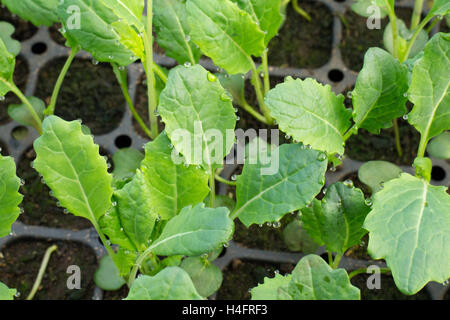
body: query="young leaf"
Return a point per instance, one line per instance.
(72, 167)
(225, 33)
(198, 115)
(337, 220)
(39, 12)
(297, 239)
(235, 85)
(313, 279)
(375, 173)
(172, 283)
(309, 112)
(429, 90)
(379, 94)
(172, 29)
(130, 11)
(409, 226)
(269, 290)
(266, 13)
(194, 231)
(366, 8)
(404, 34)
(207, 277)
(7, 65)
(6, 31)
(439, 147)
(6, 293)
(171, 186)
(126, 162)
(440, 7)
(107, 276)
(95, 32)
(20, 113)
(267, 198)
(10, 198)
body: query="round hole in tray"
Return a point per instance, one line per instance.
(437, 173)
(39, 48)
(123, 141)
(20, 133)
(335, 75)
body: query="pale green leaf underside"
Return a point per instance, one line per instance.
(225, 33)
(172, 283)
(267, 198)
(10, 198)
(439, 147)
(107, 276)
(6, 31)
(171, 186)
(39, 12)
(313, 279)
(20, 113)
(367, 8)
(409, 226)
(309, 112)
(375, 173)
(337, 220)
(195, 231)
(379, 95)
(429, 90)
(126, 162)
(72, 167)
(269, 290)
(173, 30)
(207, 277)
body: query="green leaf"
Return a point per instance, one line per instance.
(409, 226)
(379, 94)
(39, 12)
(404, 35)
(221, 201)
(6, 31)
(96, 33)
(267, 198)
(375, 173)
(7, 65)
(439, 147)
(20, 113)
(72, 167)
(429, 89)
(10, 198)
(313, 279)
(337, 220)
(440, 7)
(297, 239)
(172, 29)
(366, 8)
(199, 116)
(206, 276)
(269, 290)
(172, 186)
(126, 162)
(130, 11)
(107, 276)
(172, 283)
(225, 33)
(6, 293)
(195, 231)
(235, 85)
(309, 112)
(266, 13)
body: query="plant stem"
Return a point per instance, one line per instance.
(265, 62)
(393, 20)
(212, 188)
(259, 94)
(336, 261)
(51, 108)
(417, 12)
(228, 182)
(41, 272)
(431, 26)
(364, 270)
(330, 259)
(159, 72)
(126, 94)
(26, 102)
(300, 11)
(398, 144)
(105, 242)
(148, 66)
(413, 38)
(422, 146)
(253, 112)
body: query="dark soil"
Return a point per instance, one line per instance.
(303, 44)
(241, 276)
(447, 295)
(359, 251)
(357, 38)
(39, 207)
(388, 290)
(443, 27)
(56, 35)
(120, 294)
(20, 262)
(89, 92)
(20, 79)
(24, 30)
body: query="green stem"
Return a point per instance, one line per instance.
(228, 182)
(398, 144)
(41, 272)
(127, 97)
(212, 187)
(105, 242)
(417, 12)
(259, 93)
(300, 11)
(11, 86)
(265, 62)
(422, 146)
(350, 132)
(431, 26)
(159, 72)
(51, 108)
(336, 261)
(364, 270)
(416, 33)
(138, 263)
(253, 112)
(393, 19)
(330, 259)
(151, 92)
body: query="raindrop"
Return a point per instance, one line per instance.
(238, 118)
(188, 38)
(405, 94)
(405, 117)
(368, 202)
(2, 98)
(233, 177)
(226, 245)
(65, 211)
(322, 156)
(22, 182)
(225, 97)
(95, 62)
(187, 64)
(211, 77)
(349, 94)
(276, 225)
(348, 183)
